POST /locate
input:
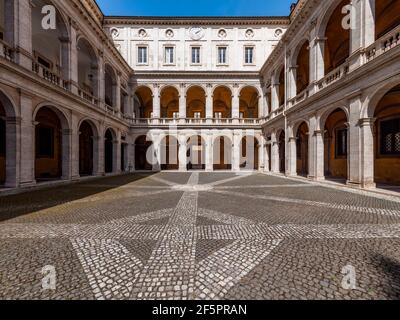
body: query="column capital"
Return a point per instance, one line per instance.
(364, 122)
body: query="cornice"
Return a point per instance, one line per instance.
(196, 75)
(151, 20)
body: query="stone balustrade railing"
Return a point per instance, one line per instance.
(193, 122)
(49, 75)
(383, 44)
(87, 96)
(6, 51)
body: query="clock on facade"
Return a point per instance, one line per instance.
(196, 33)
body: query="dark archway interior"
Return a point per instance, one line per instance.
(142, 146)
(2, 144)
(108, 151)
(302, 149)
(85, 149)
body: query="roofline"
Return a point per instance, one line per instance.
(285, 20)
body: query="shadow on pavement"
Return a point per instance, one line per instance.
(13, 206)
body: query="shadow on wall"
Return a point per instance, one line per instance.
(13, 206)
(391, 268)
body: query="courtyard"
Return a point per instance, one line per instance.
(199, 235)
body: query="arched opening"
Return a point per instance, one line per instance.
(387, 138)
(86, 149)
(196, 153)
(169, 103)
(282, 87)
(48, 137)
(88, 69)
(109, 139)
(387, 16)
(2, 144)
(144, 103)
(249, 99)
(142, 146)
(170, 153)
(110, 86)
(222, 103)
(282, 151)
(196, 103)
(303, 68)
(222, 153)
(50, 47)
(302, 149)
(249, 153)
(337, 46)
(336, 145)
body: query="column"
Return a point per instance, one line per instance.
(75, 133)
(316, 153)
(102, 84)
(261, 106)
(237, 140)
(209, 153)
(73, 76)
(274, 95)
(156, 152)
(182, 153)
(236, 102)
(21, 33)
(13, 129)
(156, 102)
(67, 154)
(182, 102)
(117, 93)
(356, 33)
(266, 156)
(354, 138)
(367, 152)
(261, 154)
(27, 140)
(98, 166)
(274, 154)
(292, 91)
(319, 63)
(209, 102)
(292, 157)
(368, 33)
(117, 154)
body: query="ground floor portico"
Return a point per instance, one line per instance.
(163, 235)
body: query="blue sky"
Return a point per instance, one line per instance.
(195, 8)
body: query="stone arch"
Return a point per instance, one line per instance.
(387, 138)
(8, 142)
(249, 102)
(335, 128)
(222, 102)
(249, 152)
(196, 102)
(170, 152)
(52, 143)
(143, 148)
(144, 105)
(88, 67)
(196, 154)
(169, 101)
(110, 82)
(222, 152)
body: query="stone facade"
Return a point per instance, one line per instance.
(313, 99)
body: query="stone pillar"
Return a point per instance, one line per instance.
(261, 153)
(274, 96)
(266, 157)
(209, 102)
(98, 156)
(27, 162)
(261, 106)
(131, 151)
(317, 156)
(13, 129)
(319, 63)
(102, 82)
(182, 153)
(156, 102)
(73, 76)
(367, 152)
(237, 140)
(117, 93)
(21, 33)
(75, 133)
(67, 154)
(117, 154)
(209, 153)
(292, 82)
(368, 33)
(292, 157)
(356, 33)
(182, 102)
(235, 102)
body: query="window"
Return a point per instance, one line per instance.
(169, 55)
(390, 137)
(222, 58)
(341, 142)
(45, 142)
(142, 55)
(195, 55)
(2, 137)
(248, 55)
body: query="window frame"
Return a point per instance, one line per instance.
(173, 47)
(252, 47)
(379, 137)
(337, 154)
(51, 154)
(219, 63)
(140, 46)
(193, 63)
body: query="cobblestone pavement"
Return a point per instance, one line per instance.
(199, 236)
